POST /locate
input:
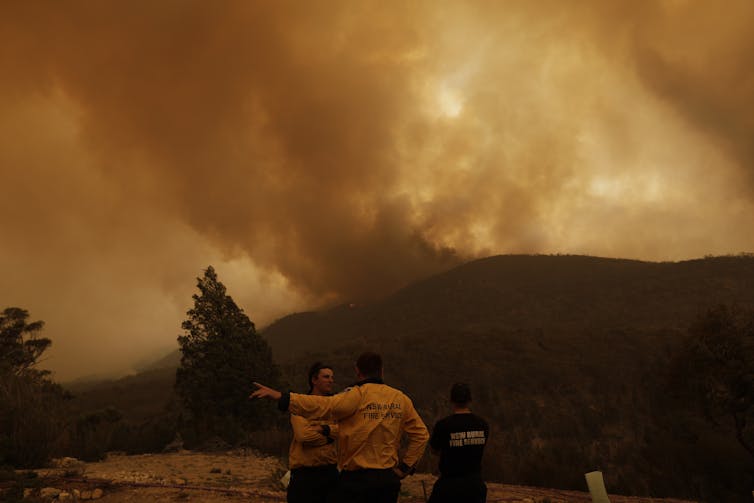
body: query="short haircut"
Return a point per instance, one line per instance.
(314, 372)
(460, 393)
(369, 364)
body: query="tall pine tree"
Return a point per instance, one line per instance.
(221, 355)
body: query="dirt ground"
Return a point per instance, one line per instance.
(244, 476)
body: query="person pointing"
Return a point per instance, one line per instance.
(372, 418)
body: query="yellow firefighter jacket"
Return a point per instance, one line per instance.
(311, 447)
(371, 417)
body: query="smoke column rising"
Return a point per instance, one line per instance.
(325, 152)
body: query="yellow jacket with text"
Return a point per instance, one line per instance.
(372, 417)
(310, 445)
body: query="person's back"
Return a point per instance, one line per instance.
(370, 437)
(460, 439)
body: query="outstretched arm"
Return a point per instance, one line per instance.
(331, 408)
(312, 406)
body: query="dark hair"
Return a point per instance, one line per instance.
(314, 372)
(369, 364)
(460, 393)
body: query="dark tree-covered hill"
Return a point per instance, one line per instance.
(565, 294)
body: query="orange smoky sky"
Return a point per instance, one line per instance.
(327, 151)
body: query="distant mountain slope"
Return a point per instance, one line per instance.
(139, 397)
(558, 293)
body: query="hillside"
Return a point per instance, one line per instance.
(566, 356)
(564, 294)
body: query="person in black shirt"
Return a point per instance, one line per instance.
(460, 439)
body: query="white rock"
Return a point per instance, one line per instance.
(97, 494)
(64, 496)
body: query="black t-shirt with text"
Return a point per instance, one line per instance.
(460, 438)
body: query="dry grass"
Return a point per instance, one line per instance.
(247, 476)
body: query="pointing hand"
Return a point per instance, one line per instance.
(263, 391)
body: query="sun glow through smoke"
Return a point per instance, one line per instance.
(449, 102)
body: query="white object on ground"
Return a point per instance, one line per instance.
(286, 479)
(596, 485)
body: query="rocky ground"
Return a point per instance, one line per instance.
(233, 476)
